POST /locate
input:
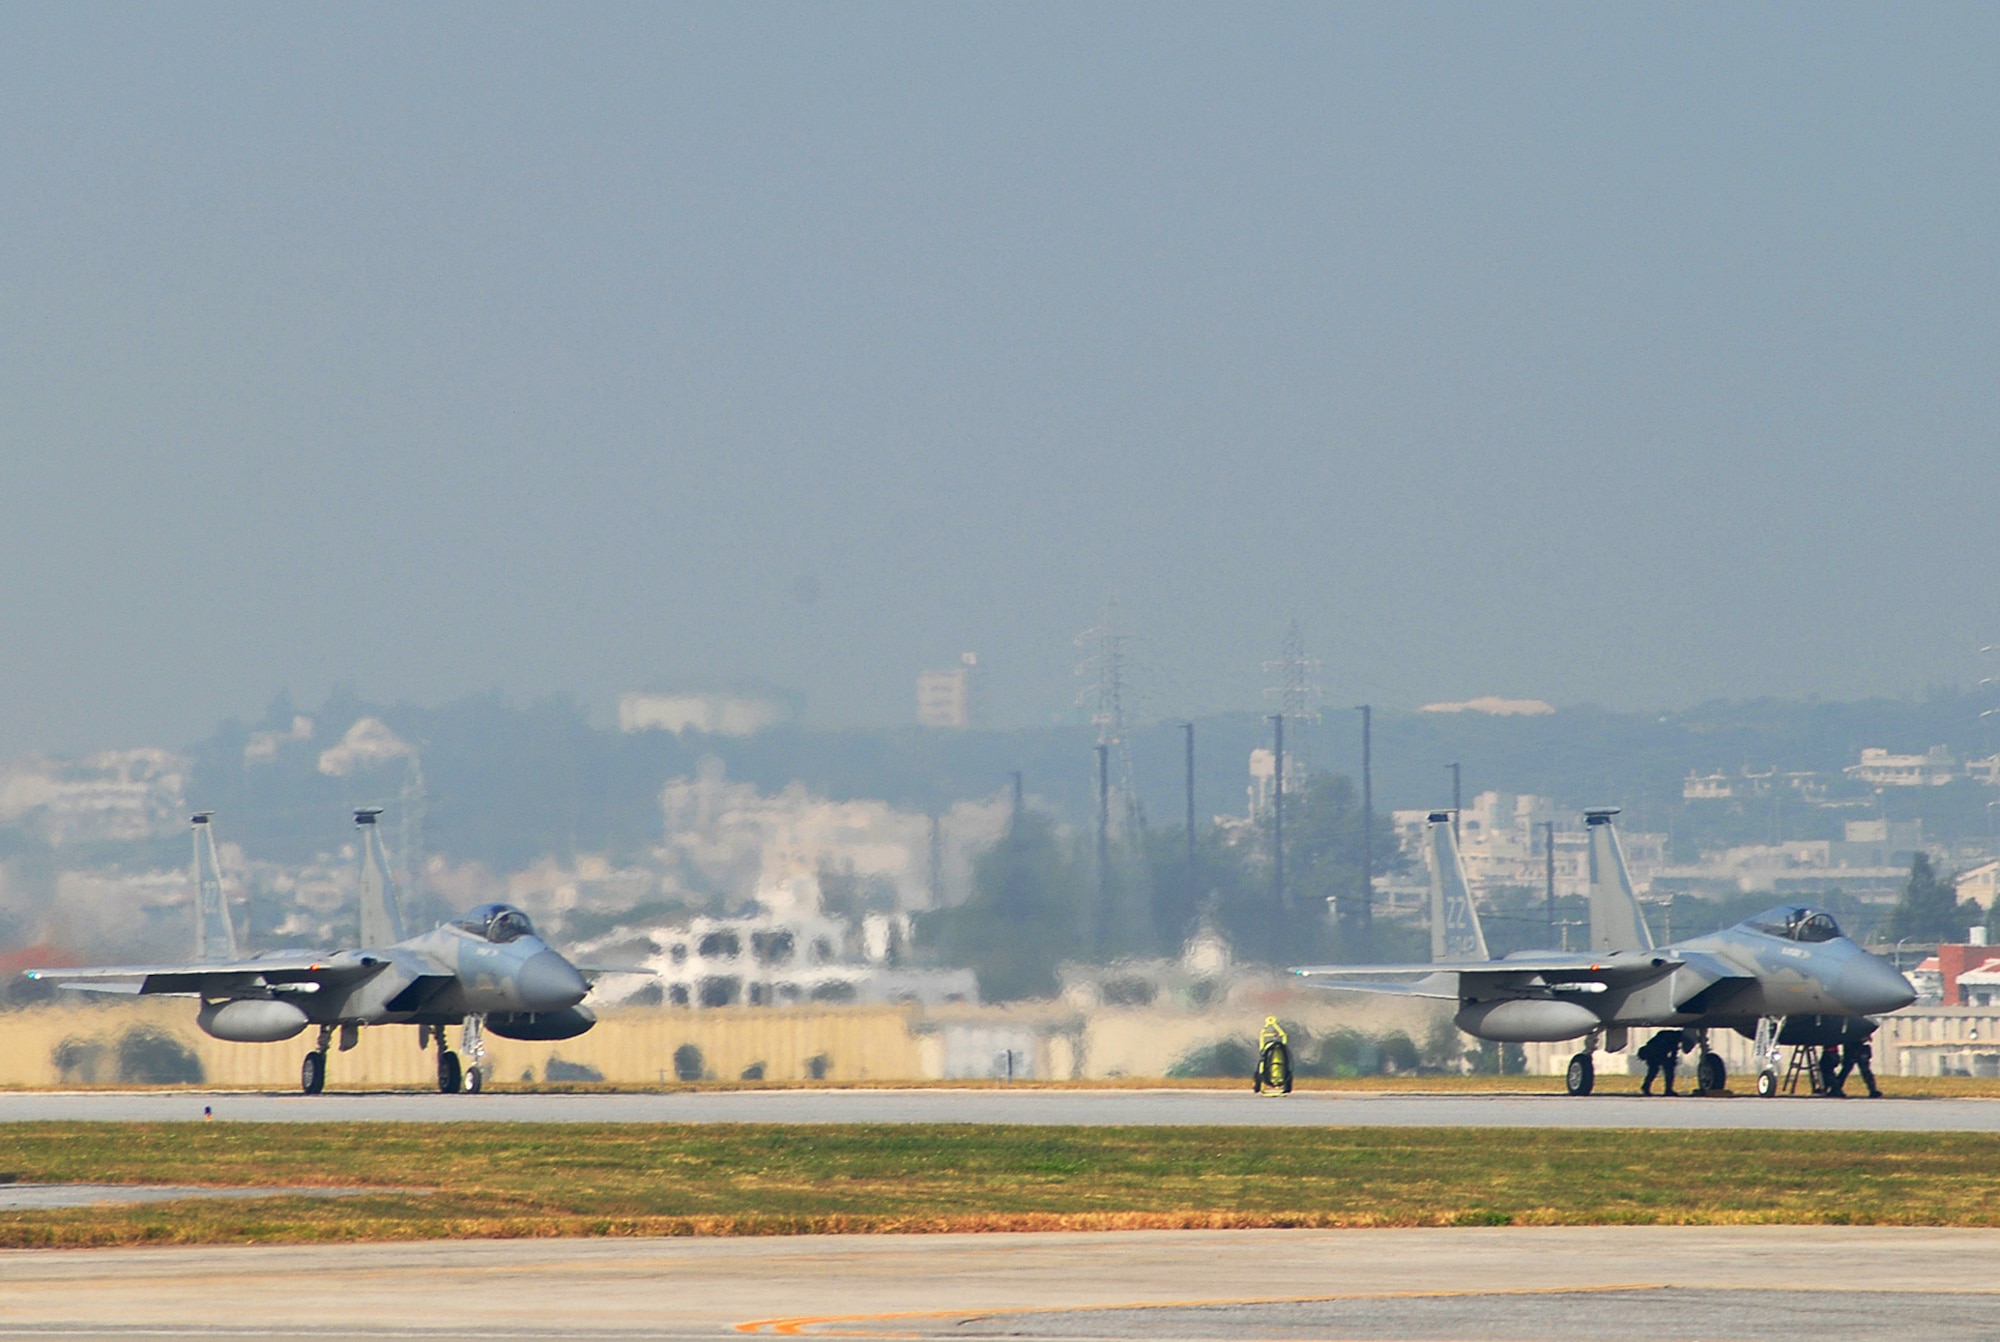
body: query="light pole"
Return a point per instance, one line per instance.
(1278, 812)
(1367, 818)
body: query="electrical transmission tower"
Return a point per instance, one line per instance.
(1106, 671)
(1297, 695)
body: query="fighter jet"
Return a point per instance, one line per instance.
(484, 971)
(1787, 976)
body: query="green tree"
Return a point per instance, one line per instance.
(1929, 909)
(1023, 916)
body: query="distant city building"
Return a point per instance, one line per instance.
(944, 698)
(1494, 706)
(1879, 768)
(718, 714)
(1901, 838)
(1708, 787)
(1806, 785)
(1980, 884)
(114, 796)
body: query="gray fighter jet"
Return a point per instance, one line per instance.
(1788, 976)
(484, 971)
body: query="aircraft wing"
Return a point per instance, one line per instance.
(218, 980)
(1550, 971)
(1424, 980)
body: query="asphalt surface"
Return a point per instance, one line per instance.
(1082, 1107)
(1665, 1282)
(43, 1197)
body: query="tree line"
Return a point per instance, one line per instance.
(1041, 895)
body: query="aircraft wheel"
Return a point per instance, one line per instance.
(449, 1075)
(1709, 1073)
(1581, 1078)
(1767, 1083)
(474, 1079)
(312, 1073)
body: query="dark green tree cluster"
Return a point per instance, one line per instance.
(1930, 909)
(1038, 897)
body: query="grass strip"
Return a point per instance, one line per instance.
(520, 1180)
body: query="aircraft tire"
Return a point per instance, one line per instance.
(1709, 1073)
(1581, 1078)
(312, 1073)
(475, 1079)
(1767, 1083)
(449, 1074)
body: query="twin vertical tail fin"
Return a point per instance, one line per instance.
(1616, 921)
(214, 933)
(381, 919)
(1455, 930)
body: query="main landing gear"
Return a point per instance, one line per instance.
(1710, 1076)
(453, 1076)
(312, 1073)
(1581, 1078)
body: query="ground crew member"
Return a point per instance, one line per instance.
(1661, 1053)
(1857, 1053)
(1829, 1069)
(1274, 1057)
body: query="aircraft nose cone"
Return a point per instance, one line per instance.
(1870, 986)
(547, 982)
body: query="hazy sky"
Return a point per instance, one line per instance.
(1586, 353)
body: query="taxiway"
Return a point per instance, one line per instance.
(1569, 1282)
(1091, 1108)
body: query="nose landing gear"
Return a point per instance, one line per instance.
(1581, 1078)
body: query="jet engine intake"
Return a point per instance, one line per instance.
(1527, 1020)
(567, 1023)
(251, 1020)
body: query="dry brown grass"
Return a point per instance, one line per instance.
(519, 1180)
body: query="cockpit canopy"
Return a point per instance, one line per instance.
(496, 923)
(1797, 922)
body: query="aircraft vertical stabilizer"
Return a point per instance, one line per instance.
(214, 933)
(1616, 921)
(381, 919)
(1455, 930)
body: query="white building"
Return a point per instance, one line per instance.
(792, 958)
(723, 714)
(1980, 884)
(944, 698)
(1879, 768)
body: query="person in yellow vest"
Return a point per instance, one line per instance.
(1274, 1058)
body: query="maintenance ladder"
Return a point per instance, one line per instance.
(1806, 1059)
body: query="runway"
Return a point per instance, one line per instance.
(1090, 1108)
(1507, 1283)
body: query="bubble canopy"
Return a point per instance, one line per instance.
(1797, 922)
(496, 923)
